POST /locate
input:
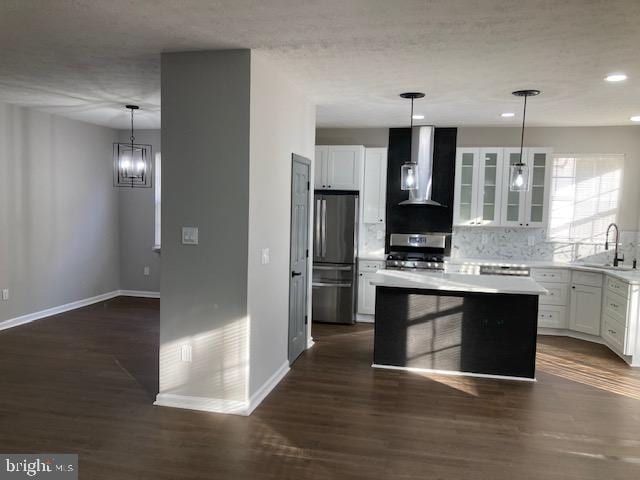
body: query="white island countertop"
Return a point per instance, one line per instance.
(458, 282)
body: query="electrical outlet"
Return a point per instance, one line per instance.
(265, 256)
(531, 240)
(379, 234)
(146, 271)
(485, 238)
(190, 235)
(186, 353)
(5, 294)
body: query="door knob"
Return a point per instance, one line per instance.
(295, 274)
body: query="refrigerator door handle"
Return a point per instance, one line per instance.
(324, 227)
(328, 284)
(317, 246)
(332, 267)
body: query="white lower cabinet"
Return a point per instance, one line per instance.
(586, 303)
(552, 308)
(367, 292)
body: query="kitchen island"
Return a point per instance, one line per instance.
(479, 325)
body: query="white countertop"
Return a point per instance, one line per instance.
(457, 282)
(629, 276)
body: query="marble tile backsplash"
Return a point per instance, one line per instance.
(514, 244)
(372, 241)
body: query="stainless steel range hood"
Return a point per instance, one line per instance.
(422, 156)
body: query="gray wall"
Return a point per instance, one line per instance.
(58, 211)
(205, 153)
(137, 226)
(369, 137)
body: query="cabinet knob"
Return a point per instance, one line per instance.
(527, 224)
(573, 286)
(520, 224)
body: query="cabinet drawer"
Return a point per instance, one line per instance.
(557, 294)
(617, 286)
(614, 333)
(550, 316)
(550, 275)
(370, 265)
(615, 306)
(587, 278)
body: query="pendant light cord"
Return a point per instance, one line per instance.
(411, 134)
(132, 138)
(524, 116)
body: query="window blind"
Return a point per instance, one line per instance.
(585, 196)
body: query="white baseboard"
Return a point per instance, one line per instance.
(364, 318)
(267, 386)
(216, 405)
(454, 373)
(562, 332)
(310, 343)
(139, 293)
(205, 404)
(30, 317)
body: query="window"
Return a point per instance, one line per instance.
(158, 174)
(585, 196)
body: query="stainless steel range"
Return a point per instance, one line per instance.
(418, 251)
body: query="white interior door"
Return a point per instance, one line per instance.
(299, 256)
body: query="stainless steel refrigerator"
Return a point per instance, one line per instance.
(335, 249)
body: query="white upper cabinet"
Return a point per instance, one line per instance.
(477, 195)
(513, 211)
(537, 204)
(338, 167)
(482, 196)
(320, 166)
(466, 186)
(375, 185)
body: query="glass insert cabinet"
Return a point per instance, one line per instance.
(482, 196)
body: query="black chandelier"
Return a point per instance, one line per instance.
(132, 161)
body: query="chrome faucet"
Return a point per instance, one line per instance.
(616, 260)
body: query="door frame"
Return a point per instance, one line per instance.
(295, 158)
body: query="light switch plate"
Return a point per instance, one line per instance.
(531, 240)
(265, 256)
(186, 353)
(190, 235)
(5, 294)
(146, 271)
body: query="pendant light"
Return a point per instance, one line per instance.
(131, 161)
(519, 175)
(409, 171)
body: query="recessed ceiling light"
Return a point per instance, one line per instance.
(418, 117)
(615, 77)
(635, 118)
(507, 114)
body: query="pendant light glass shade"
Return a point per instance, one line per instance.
(519, 178)
(132, 162)
(409, 177)
(519, 174)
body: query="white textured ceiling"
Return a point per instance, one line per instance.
(84, 59)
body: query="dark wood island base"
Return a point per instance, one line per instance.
(481, 334)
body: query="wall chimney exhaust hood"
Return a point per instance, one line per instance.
(422, 159)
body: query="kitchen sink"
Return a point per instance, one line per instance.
(605, 266)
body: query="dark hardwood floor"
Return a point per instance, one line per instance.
(84, 382)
